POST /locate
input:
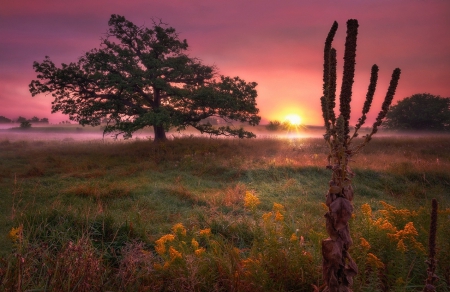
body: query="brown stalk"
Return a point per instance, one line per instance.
(338, 266)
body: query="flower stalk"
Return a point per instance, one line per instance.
(338, 266)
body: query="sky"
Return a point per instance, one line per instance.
(278, 44)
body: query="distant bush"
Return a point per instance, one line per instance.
(25, 125)
(274, 126)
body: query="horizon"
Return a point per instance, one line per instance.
(279, 46)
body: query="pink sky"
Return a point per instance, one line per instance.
(278, 44)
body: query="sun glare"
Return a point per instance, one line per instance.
(293, 119)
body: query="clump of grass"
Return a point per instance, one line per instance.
(116, 189)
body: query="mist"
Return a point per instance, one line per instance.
(74, 132)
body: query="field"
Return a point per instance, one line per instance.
(198, 214)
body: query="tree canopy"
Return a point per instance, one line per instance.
(422, 111)
(143, 77)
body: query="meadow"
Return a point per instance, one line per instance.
(199, 214)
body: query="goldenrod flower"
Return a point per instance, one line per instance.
(194, 243)
(267, 216)
(401, 246)
(410, 229)
(278, 207)
(160, 243)
(375, 261)
(294, 237)
(250, 200)
(402, 212)
(200, 251)
(16, 234)
(364, 243)
(279, 216)
(179, 229)
(387, 206)
(166, 238)
(160, 248)
(174, 254)
(367, 210)
(206, 231)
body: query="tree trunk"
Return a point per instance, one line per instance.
(160, 134)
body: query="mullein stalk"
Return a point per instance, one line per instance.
(338, 266)
(431, 262)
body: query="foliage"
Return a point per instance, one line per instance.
(274, 126)
(146, 79)
(25, 125)
(420, 112)
(21, 119)
(4, 120)
(339, 268)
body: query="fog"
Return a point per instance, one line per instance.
(68, 133)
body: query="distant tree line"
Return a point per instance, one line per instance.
(20, 119)
(423, 112)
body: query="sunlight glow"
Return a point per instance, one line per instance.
(293, 119)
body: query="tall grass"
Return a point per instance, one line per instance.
(133, 216)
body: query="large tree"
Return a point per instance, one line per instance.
(143, 77)
(422, 111)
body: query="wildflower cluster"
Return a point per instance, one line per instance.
(276, 214)
(16, 234)
(251, 201)
(391, 242)
(173, 247)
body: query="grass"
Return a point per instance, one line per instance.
(71, 207)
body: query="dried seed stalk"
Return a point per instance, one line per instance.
(431, 262)
(338, 266)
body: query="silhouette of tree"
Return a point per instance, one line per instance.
(143, 77)
(21, 119)
(4, 120)
(422, 111)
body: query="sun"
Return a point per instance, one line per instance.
(293, 119)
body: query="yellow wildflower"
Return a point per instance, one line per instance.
(166, 238)
(279, 216)
(16, 234)
(401, 246)
(174, 254)
(364, 243)
(200, 251)
(402, 212)
(367, 210)
(410, 229)
(250, 200)
(419, 246)
(278, 207)
(374, 260)
(179, 229)
(160, 243)
(160, 248)
(387, 206)
(324, 206)
(194, 243)
(267, 216)
(294, 237)
(384, 225)
(206, 231)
